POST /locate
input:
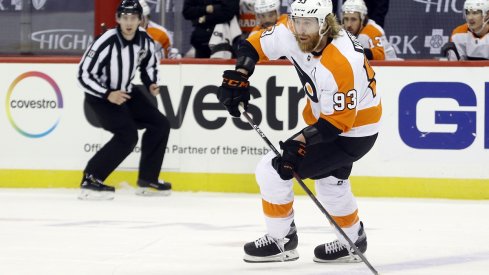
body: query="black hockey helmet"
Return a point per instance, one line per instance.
(131, 7)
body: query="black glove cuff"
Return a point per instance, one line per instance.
(321, 131)
(293, 147)
(312, 135)
(247, 63)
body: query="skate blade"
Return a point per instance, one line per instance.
(286, 256)
(150, 192)
(346, 259)
(95, 195)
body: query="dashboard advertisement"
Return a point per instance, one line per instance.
(435, 120)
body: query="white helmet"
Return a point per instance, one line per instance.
(247, 4)
(351, 6)
(481, 5)
(264, 6)
(146, 8)
(312, 8)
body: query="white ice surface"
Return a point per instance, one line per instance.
(49, 231)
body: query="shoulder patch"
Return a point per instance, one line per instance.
(91, 54)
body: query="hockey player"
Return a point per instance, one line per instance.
(105, 74)
(470, 41)
(371, 36)
(267, 13)
(160, 35)
(343, 111)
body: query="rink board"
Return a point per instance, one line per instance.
(434, 141)
(245, 183)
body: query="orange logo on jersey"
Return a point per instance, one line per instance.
(309, 90)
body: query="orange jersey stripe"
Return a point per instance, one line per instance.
(160, 37)
(276, 210)
(374, 34)
(254, 39)
(378, 53)
(464, 28)
(347, 221)
(368, 116)
(342, 72)
(308, 115)
(283, 19)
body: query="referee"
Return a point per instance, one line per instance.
(105, 74)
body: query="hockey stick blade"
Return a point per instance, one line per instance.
(308, 191)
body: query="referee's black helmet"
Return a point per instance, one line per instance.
(130, 7)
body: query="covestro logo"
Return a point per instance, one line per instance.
(33, 105)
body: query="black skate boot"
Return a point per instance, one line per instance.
(95, 189)
(268, 249)
(146, 188)
(337, 252)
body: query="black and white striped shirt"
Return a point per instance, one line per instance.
(110, 63)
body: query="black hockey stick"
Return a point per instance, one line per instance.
(308, 191)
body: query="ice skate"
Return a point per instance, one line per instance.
(268, 249)
(337, 252)
(95, 189)
(160, 188)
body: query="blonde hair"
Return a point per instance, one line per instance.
(332, 27)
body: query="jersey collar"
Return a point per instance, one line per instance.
(126, 42)
(321, 51)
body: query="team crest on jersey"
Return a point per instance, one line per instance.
(141, 55)
(307, 83)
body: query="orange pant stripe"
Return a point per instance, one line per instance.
(347, 221)
(277, 210)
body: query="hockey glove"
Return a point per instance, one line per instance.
(235, 89)
(293, 154)
(449, 46)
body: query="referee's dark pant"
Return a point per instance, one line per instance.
(124, 121)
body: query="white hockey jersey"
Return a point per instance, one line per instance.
(469, 46)
(340, 83)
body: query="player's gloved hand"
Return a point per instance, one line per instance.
(293, 154)
(449, 46)
(235, 89)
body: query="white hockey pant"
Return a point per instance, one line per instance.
(278, 197)
(336, 197)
